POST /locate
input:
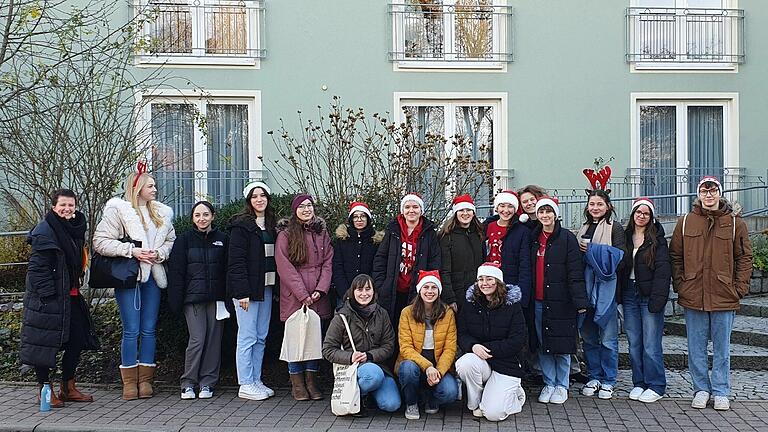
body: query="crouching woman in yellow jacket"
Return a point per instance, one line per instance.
(427, 336)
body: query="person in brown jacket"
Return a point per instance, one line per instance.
(711, 266)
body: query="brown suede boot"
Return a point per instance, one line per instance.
(55, 401)
(70, 393)
(312, 388)
(130, 376)
(146, 379)
(299, 390)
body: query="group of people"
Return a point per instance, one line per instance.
(430, 309)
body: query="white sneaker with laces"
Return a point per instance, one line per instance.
(722, 403)
(559, 396)
(636, 392)
(250, 391)
(700, 400)
(606, 391)
(591, 388)
(477, 412)
(412, 412)
(546, 394)
(188, 393)
(649, 396)
(260, 385)
(206, 392)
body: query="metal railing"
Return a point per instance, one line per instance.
(465, 31)
(691, 35)
(180, 29)
(181, 189)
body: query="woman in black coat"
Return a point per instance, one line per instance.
(643, 292)
(354, 249)
(55, 314)
(198, 266)
(410, 244)
(461, 242)
(559, 296)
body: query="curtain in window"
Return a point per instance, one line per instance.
(227, 148)
(705, 143)
(475, 125)
(658, 138)
(428, 120)
(172, 154)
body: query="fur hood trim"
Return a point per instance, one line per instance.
(342, 233)
(513, 294)
(316, 225)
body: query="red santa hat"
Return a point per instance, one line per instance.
(643, 201)
(491, 269)
(506, 197)
(411, 197)
(361, 207)
(550, 201)
(711, 179)
(426, 277)
(463, 202)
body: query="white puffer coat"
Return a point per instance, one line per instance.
(119, 220)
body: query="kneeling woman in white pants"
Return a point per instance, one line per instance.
(492, 332)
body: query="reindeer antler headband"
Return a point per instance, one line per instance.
(598, 179)
(141, 168)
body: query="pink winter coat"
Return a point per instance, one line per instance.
(298, 283)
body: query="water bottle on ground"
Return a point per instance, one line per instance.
(45, 397)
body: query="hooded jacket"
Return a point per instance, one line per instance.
(197, 268)
(119, 220)
(516, 256)
(386, 264)
(650, 282)
(711, 258)
(299, 282)
(353, 254)
(600, 279)
(501, 329)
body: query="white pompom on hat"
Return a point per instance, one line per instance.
(255, 184)
(491, 269)
(549, 201)
(426, 277)
(411, 197)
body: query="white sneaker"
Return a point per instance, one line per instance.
(636, 392)
(700, 400)
(260, 385)
(649, 396)
(477, 412)
(546, 394)
(559, 396)
(722, 403)
(591, 388)
(412, 412)
(188, 393)
(250, 391)
(521, 395)
(606, 391)
(206, 392)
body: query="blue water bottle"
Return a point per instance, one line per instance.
(45, 397)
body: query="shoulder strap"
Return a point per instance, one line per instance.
(349, 332)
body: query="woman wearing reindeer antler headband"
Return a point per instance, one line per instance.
(138, 227)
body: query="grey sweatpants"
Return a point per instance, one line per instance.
(203, 357)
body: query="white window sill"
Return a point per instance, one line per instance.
(415, 65)
(159, 60)
(684, 67)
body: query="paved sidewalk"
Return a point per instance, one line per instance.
(225, 412)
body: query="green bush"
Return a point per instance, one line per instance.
(280, 202)
(13, 249)
(760, 252)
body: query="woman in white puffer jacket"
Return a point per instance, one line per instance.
(138, 227)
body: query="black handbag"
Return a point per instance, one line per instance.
(114, 272)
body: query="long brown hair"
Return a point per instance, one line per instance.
(419, 310)
(650, 236)
(453, 222)
(297, 245)
(498, 298)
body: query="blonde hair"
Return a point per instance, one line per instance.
(132, 196)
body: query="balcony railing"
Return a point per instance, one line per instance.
(177, 31)
(180, 189)
(691, 36)
(472, 31)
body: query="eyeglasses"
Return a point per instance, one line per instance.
(305, 206)
(643, 214)
(710, 192)
(358, 217)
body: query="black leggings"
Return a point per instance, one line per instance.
(78, 334)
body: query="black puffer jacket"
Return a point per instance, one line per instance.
(386, 264)
(651, 282)
(502, 330)
(462, 254)
(246, 260)
(197, 268)
(353, 254)
(47, 301)
(515, 256)
(564, 290)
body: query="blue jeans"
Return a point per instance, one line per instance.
(413, 381)
(138, 312)
(644, 330)
(601, 348)
(252, 330)
(372, 379)
(701, 327)
(303, 366)
(555, 368)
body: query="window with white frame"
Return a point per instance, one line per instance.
(679, 141)
(451, 33)
(202, 149)
(201, 31)
(474, 123)
(685, 33)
